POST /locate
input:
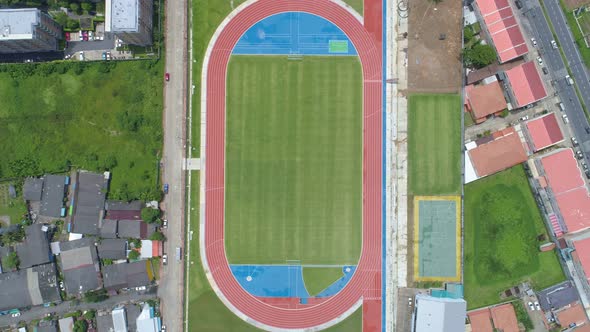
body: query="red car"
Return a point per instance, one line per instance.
(167, 77)
(67, 36)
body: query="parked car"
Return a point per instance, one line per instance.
(540, 61)
(534, 41)
(140, 288)
(164, 259)
(579, 154)
(67, 36)
(165, 188)
(518, 4)
(409, 301)
(165, 223)
(167, 77)
(553, 44)
(587, 130)
(584, 166)
(569, 80)
(545, 70)
(531, 306)
(537, 306)
(16, 314)
(90, 35)
(565, 119)
(163, 329)
(588, 174)
(524, 118)
(574, 141)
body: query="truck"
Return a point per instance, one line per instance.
(178, 254)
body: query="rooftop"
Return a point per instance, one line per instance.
(544, 131)
(112, 249)
(503, 28)
(104, 323)
(28, 287)
(439, 314)
(123, 206)
(66, 324)
(35, 249)
(32, 189)
(504, 318)
(89, 202)
(108, 229)
(527, 85)
(499, 154)
(80, 265)
(18, 23)
(484, 100)
(122, 15)
(572, 315)
(481, 320)
(53, 195)
(568, 187)
(557, 296)
(126, 275)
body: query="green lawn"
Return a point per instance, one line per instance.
(93, 116)
(356, 4)
(502, 223)
(294, 160)
(319, 278)
(434, 144)
(14, 208)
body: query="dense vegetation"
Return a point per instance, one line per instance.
(503, 231)
(93, 116)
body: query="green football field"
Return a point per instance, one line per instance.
(293, 160)
(434, 144)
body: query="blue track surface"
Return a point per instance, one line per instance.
(292, 33)
(283, 280)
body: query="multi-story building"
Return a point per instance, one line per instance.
(130, 20)
(27, 30)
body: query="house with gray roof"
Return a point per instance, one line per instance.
(558, 296)
(113, 205)
(135, 229)
(79, 263)
(47, 326)
(434, 314)
(112, 249)
(126, 275)
(108, 229)
(52, 198)
(32, 189)
(89, 202)
(29, 287)
(104, 323)
(35, 249)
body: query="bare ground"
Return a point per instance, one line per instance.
(434, 65)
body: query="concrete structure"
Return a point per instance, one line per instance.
(66, 324)
(433, 314)
(526, 84)
(27, 30)
(484, 100)
(147, 321)
(130, 20)
(29, 287)
(544, 132)
(501, 25)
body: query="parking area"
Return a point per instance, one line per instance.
(405, 307)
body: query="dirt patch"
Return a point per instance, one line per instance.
(434, 65)
(573, 4)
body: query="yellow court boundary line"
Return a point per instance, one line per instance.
(457, 200)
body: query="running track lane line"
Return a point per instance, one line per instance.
(368, 272)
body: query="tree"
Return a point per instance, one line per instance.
(479, 56)
(86, 6)
(157, 236)
(12, 261)
(468, 34)
(100, 7)
(95, 296)
(75, 7)
(133, 255)
(80, 326)
(61, 18)
(136, 243)
(150, 215)
(90, 314)
(72, 24)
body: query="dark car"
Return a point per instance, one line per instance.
(588, 174)
(166, 188)
(518, 4)
(545, 70)
(587, 130)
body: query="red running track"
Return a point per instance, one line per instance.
(366, 282)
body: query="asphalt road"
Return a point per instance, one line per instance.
(70, 306)
(554, 62)
(172, 276)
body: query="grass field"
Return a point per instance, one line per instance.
(92, 116)
(502, 223)
(319, 278)
(206, 312)
(14, 208)
(356, 4)
(434, 144)
(294, 160)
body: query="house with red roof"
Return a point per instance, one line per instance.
(501, 25)
(544, 132)
(526, 84)
(482, 101)
(569, 189)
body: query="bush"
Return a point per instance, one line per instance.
(157, 236)
(150, 215)
(505, 113)
(95, 296)
(80, 326)
(12, 261)
(90, 314)
(479, 55)
(133, 255)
